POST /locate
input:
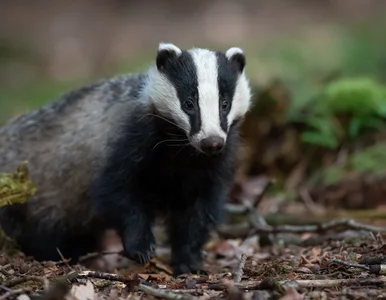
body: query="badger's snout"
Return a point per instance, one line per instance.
(212, 145)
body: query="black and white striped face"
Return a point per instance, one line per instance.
(202, 91)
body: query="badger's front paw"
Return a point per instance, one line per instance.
(179, 269)
(139, 248)
(187, 264)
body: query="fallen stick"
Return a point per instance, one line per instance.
(351, 265)
(13, 293)
(239, 271)
(319, 228)
(340, 282)
(100, 275)
(254, 285)
(4, 271)
(165, 294)
(98, 254)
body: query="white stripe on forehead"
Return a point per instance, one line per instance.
(208, 93)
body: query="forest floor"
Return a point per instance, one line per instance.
(350, 268)
(337, 259)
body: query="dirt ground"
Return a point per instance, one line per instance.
(337, 259)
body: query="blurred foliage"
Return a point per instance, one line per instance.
(329, 97)
(370, 160)
(345, 109)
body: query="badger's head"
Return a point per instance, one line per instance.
(202, 91)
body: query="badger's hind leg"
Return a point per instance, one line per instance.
(190, 228)
(55, 245)
(42, 241)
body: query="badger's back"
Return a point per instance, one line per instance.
(64, 143)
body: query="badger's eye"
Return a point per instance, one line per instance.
(189, 105)
(224, 105)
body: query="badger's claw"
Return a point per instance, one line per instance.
(141, 258)
(142, 251)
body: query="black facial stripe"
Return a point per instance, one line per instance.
(182, 73)
(227, 80)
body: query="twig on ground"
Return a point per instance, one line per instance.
(98, 254)
(341, 282)
(188, 291)
(380, 240)
(164, 293)
(351, 265)
(239, 271)
(260, 197)
(310, 205)
(334, 224)
(253, 285)
(15, 292)
(4, 271)
(248, 206)
(100, 275)
(63, 259)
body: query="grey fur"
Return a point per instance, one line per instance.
(58, 138)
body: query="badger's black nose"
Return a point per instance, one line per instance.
(212, 144)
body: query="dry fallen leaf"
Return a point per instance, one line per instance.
(82, 292)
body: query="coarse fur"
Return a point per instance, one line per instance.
(121, 151)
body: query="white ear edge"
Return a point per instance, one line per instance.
(232, 51)
(169, 47)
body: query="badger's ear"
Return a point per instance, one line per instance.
(236, 56)
(166, 53)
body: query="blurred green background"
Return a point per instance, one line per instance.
(318, 70)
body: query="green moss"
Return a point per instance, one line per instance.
(370, 160)
(17, 187)
(344, 109)
(328, 176)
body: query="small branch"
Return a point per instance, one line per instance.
(164, 294)
(248, 206)
(254, 285)
(100, 275)
(14, 293)
(239, 271)
(63, 259)
(351, 265)
(311, 206)
(334, 224)
(341, 282)
(260, 197)
(97, 254)
(4, 271)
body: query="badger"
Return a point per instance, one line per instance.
(119, 152)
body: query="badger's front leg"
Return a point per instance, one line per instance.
(137, 238)
(128, 214)
(133, 224)
(189, 230)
